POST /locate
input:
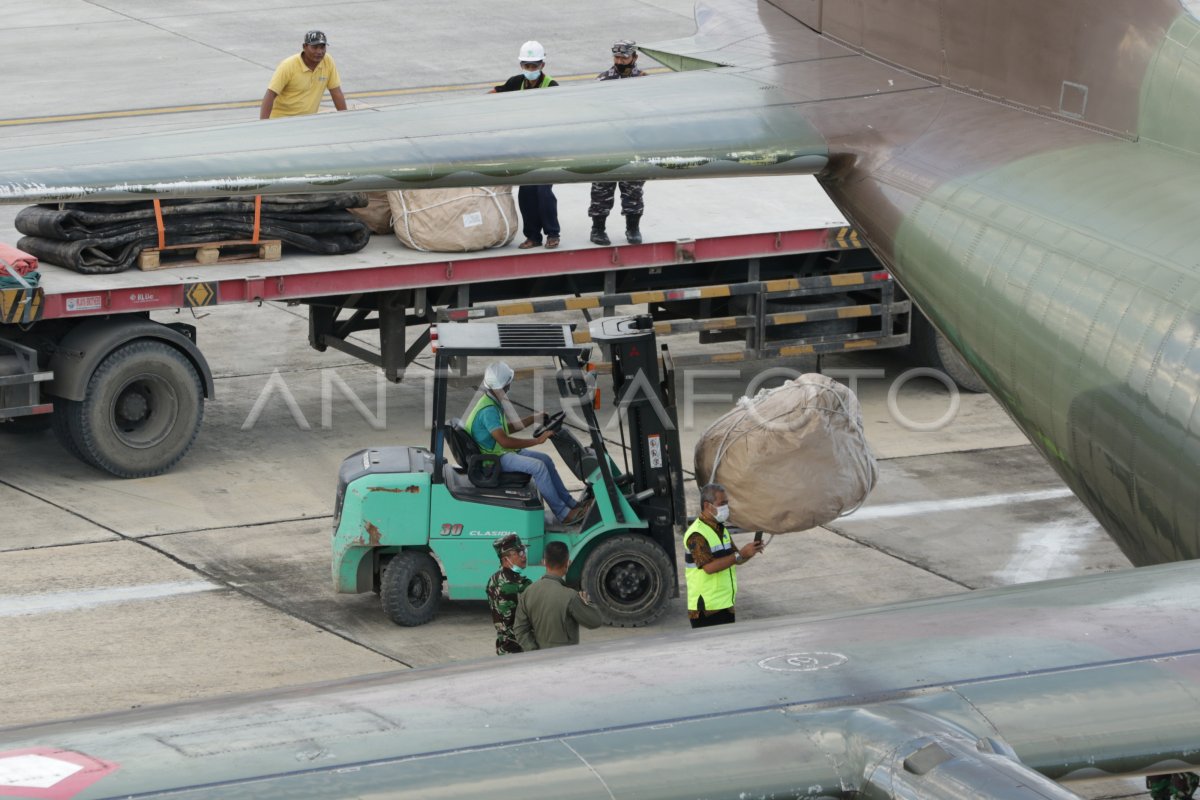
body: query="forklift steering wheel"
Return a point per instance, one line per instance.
(553, 424)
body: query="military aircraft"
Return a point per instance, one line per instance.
(1027, 170)
(991, 694)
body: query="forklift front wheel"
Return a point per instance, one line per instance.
(628, 577)
(411, 588)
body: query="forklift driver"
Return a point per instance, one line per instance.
(489, 426)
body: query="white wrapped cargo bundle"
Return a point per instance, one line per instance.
(454, 220)
(792, 458)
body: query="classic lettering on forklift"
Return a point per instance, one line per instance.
(452, 530)
(490, 534)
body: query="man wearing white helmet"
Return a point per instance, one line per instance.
(625, 55)
(491, 429)
(539, 206)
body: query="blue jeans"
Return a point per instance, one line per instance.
(545, 476)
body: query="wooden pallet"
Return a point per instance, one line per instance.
(229, 252)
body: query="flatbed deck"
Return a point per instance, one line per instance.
(686, 220)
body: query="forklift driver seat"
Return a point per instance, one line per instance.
(482, 469)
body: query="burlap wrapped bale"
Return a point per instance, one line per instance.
(792, 458)
(377, 213)
(454, 220)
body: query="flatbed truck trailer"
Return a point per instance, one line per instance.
(765, 263)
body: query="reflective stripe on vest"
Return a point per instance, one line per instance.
(544, 83)
(718, 589)
(469, 424)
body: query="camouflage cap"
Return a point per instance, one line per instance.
(506, 544)
(624, 47)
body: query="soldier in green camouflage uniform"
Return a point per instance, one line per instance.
(1179, 786)
(625, 55)
(503, 589)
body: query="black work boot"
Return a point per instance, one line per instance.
(598, 235)
(632, 234)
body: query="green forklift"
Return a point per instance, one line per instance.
(410, 521)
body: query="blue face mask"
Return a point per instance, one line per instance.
(532, 76)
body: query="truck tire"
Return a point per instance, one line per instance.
(628, 577)
(931, 349)
(411, 589)
(141, 411)
(60, 423)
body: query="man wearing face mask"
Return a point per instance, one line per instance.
(625, 55)
(490, 427)
(711, 561)
(504, 589)
(539, 206)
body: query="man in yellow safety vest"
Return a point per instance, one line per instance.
(711, 561)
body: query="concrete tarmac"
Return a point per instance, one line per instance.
(214, 578)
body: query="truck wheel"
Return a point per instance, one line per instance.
(629, 579)
(931, 349)
(60, 423)
(411, 588)
(141, 411)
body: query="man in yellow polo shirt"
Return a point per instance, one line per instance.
(710, 561)
(300, 81)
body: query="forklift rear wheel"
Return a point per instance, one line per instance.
(629, 579)
(411, 588)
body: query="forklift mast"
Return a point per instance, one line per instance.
(646, 397)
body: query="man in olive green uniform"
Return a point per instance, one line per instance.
(504, 589)
(549, 612)
(710, 561)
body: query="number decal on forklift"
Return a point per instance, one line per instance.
(452, 530)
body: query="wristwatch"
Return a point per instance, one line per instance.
(737, 557)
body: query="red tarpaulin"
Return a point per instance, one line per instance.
(20, 261)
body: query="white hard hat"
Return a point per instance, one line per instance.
(532, 51)
(497, 376)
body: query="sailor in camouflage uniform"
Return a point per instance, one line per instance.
(624, 66)
(503, 589)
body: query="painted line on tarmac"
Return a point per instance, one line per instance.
(54, 602)
(956, 504)
(237, 104)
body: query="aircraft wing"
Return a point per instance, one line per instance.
(741, 120)
(985, 694)
(687, 125)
